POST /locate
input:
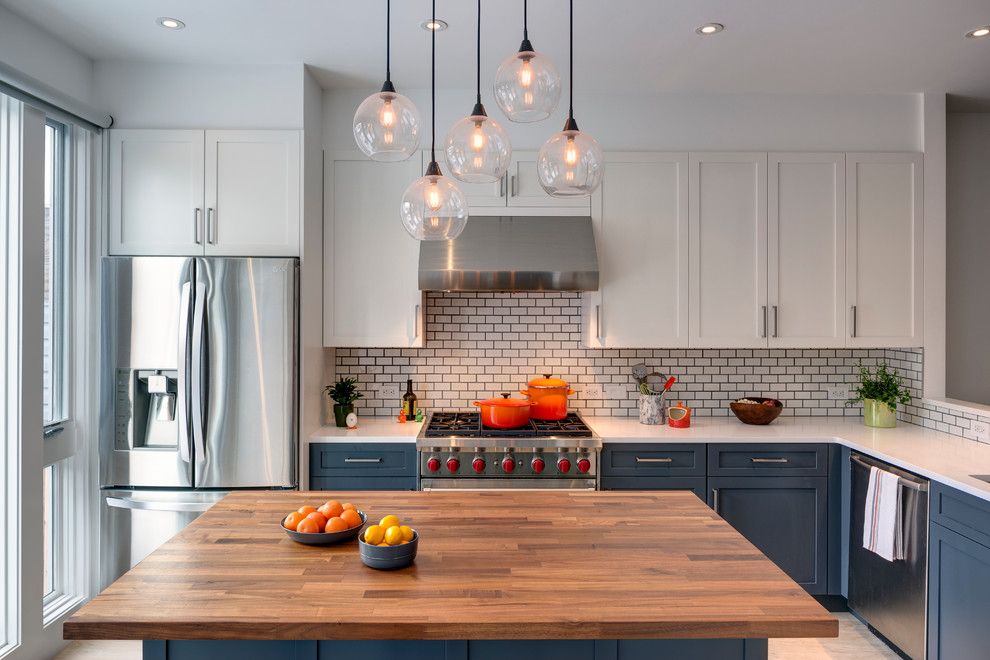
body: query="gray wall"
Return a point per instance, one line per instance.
(968, 258)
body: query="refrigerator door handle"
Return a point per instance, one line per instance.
(198, 374)
(182, 378)
(145, 505)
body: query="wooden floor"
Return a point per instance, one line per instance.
(854, 641)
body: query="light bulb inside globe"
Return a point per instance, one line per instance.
(525, 73)
(527, 86)
(387, 115)
(477, 137)
(434, 200)
(433, 207)
(477, 148)
(570, 163)
(386, 127)
(570, 151)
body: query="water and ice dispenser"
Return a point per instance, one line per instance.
(146, 409)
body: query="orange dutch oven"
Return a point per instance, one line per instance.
(504, 413)
(549, 397)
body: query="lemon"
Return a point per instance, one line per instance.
(383, 543)
(389, 521)
(374, 535)
(393, 535)
(407, 533)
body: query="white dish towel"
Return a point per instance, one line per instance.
(882, 533)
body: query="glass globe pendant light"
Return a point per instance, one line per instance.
(477, 147)
(433, 207)
(570, 163)
(527, 85)
(386, 124)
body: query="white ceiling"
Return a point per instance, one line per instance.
(769, 46)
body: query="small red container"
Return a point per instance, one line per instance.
(679, 416)
(504, 413)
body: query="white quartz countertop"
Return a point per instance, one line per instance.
(939, 456)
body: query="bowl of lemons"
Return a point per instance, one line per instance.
(388, 545)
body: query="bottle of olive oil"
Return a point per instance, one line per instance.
(409, 401)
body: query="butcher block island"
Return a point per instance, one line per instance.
(520, 574)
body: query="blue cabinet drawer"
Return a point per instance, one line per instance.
(653, 460)
(766, 459)
(961, 512)
(362, 460)
(694, 484)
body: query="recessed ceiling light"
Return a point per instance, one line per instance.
(434, 26)
(710, 28)
(170, 23)
(981, 31)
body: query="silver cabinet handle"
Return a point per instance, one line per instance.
(362, 460)
(665, 459)
(768, 460)
(515, 185)
(763, 333)
(501, 185)
(854, 320)
(774, 320)
(598, 321)
(198, 226)
(144, 505)
(905, 483)
(715, 499)
(211, 226)
(416, 321)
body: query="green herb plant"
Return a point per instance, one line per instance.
(344, 392)
(881, 385)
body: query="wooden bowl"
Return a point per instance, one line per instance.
(325, 538)
(757, 413)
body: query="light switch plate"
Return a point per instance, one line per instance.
(981, 429)
(615, 391)
(390, 391)
(838, 392)
(592, 391)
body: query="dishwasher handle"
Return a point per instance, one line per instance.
(921, 486)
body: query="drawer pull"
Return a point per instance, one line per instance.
(362, 460)
(665, 459)
(768, 460)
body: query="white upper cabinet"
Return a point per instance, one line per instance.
(728, 223)
(371, 289)
(253, 193)
(806, 250)
(641, 227)
(519, 192)
(205, 192)
(156, 192)
(884, 249)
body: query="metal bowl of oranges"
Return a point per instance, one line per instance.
(329, 524)
(388, 545)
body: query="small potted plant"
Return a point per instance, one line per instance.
(880, 391)
(344, 393)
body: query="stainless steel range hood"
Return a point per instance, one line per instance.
(513, 253)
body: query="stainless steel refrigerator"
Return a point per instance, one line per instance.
(199, 392)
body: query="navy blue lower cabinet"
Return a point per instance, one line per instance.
(958, 596)
(362, 466)
(548, 649)
(785, 517)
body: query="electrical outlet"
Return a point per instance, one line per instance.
(388, 392)
(615, 391)
(981, 429)
(592, 391)
(838, 392)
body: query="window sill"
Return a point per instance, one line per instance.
(58, 606)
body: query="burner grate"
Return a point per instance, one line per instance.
(443, 424)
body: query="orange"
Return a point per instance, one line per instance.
(336, 524)
(331, 509)
(306, 510)
(292, 520)
(384, 544)
(351, 517)
(307, 526)
(318, 518)
(348, 505)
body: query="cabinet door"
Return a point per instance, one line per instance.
(524, 188)
(371, 291)
(253, 193)
(641, 220)
(728, 250)
(156, 192)
(958, 596)
(785, 517)
(884, 249)
(806, 236)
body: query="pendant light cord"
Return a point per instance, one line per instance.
(388, 40)
(433, 87)
(525, 21)
(570, 110)
(478, 68)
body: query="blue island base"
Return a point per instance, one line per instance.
(578, 649)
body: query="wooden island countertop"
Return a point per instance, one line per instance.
(491, 565)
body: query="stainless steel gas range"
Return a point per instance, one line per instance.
(457, 451)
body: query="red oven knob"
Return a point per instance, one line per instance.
(453, 465)
(433, 465)
(564, 465)
(538, 465)
(478, 464)
(508, 464)
(583, 465)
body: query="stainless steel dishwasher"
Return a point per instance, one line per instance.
(890, 596)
